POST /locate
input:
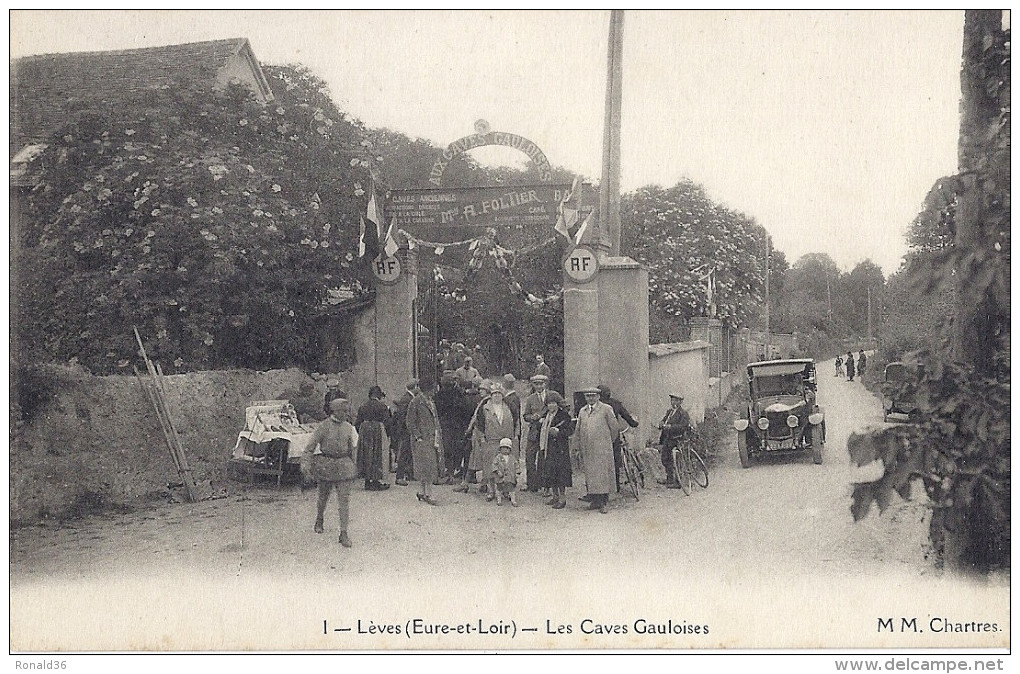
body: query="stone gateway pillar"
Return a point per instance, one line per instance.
(394, 324)
(605, 335)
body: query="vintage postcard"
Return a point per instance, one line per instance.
(346, 331)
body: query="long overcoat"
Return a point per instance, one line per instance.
(596, 428)
(493, 430)
(423, 426)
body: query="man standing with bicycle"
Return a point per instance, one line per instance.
(675, 424)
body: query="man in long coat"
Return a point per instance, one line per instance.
(534, 410)
(596, 428)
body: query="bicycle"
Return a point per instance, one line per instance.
(688, 466)
(631, 467)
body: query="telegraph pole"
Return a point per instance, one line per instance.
(869, 315)
(768, 340)
(609, 193)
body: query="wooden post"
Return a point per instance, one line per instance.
(609, 191)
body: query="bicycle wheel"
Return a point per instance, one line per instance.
(628, 470)
(699, 470)
(682, 469)
(640, 467)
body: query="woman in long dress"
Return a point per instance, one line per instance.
(554, 447)
(496, 422)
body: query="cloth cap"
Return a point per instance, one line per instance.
(590, 389)
(376, 392)
(506, 442)
(509, 378)
(332, 382)
(676, 395)
(539, 377)
(337, 404)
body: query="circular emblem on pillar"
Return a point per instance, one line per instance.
(386, 269)
(581, 265)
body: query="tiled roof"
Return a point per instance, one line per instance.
(45, 88)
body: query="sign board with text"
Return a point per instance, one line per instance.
(469, 210)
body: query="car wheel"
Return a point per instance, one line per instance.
(745, 457)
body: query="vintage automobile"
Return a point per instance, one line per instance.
(898, 390)
(782, 415)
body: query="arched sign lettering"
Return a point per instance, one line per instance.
(485, 137)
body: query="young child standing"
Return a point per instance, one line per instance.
(503, 473)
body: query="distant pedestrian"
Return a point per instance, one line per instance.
(333, 391)
(480, 362)
(371, 420)
(850, 365)
(839, 367)
(467, 372)
(540, 366)
(862, 362)
(331, 462)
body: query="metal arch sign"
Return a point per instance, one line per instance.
(581, 264)
(485, 137)
(386, 269)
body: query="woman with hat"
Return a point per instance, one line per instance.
(372, 417)
(554, 450)
(330, 461)
(474, 435)
(596, 428)
(495, 422)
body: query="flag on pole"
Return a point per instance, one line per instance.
(583, 230)
(390, 247)
(373, 214)
(567, 216)
(361, 239)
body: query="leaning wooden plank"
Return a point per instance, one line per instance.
(189, 478)
(162, 422)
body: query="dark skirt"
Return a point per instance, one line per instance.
(370, 450)
(556, 470)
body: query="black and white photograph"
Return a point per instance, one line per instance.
(511, 331)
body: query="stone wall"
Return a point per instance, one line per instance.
(680, 367)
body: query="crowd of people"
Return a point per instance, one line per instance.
(472, 432)
(848, 367)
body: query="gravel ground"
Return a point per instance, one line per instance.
(766, 557)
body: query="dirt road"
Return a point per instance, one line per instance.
(774, 542)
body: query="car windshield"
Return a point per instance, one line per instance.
(784, 384)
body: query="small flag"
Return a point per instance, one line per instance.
(411, 244)
(373, 214)
(390, 247)
(579, 237)
(567, 217)
(439, 250)
(361, 239)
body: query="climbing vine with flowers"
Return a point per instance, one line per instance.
(220, 226)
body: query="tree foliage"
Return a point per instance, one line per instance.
(220, 226)
(681, 235)
(961, 447)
